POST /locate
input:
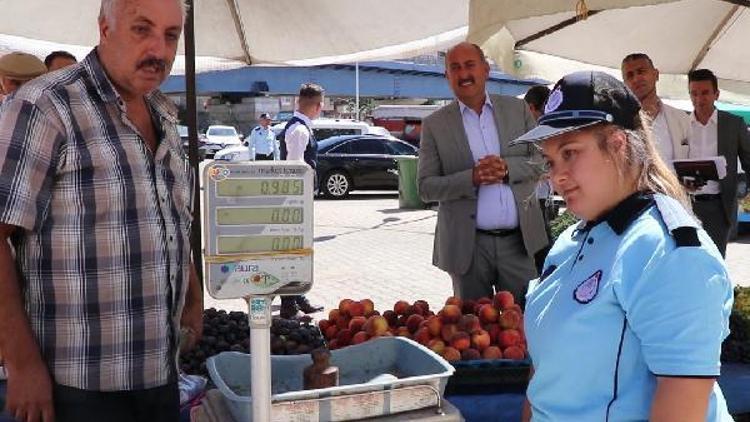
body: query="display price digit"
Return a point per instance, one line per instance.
(285, 243)
(281, 187)
(286, 215)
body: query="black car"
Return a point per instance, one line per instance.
(361, 162)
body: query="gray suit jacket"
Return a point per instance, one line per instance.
(734, 142)
(445, 176)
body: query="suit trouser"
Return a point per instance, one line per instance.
(160, 404)
(499, 262)
(711, 213)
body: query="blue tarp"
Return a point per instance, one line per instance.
(376, 79)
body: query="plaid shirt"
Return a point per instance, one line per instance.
(103, 253)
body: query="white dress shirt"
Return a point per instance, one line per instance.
(662, 137)
(704, 143)
(297, 137)
(496, 206)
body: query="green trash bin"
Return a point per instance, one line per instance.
(408, 194)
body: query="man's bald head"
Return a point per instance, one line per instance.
(109, 9)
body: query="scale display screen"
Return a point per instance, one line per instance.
(258, 225)
(270, 215)
(254, 244)
(260, 187)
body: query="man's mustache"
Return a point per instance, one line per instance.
(159, 64)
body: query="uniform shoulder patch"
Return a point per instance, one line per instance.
(588, 289)
(686, 236)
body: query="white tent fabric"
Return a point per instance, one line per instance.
(261, 31)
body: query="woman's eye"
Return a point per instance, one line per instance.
(568, 154)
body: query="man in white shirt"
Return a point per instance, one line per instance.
(297, 142)
(716, 133)
(671, 126)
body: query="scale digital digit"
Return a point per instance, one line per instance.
(258, 222)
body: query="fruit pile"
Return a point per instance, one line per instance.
(224, 331)
(461, 330)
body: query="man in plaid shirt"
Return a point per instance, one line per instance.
(95, 200)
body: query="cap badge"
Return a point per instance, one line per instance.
(554, 101)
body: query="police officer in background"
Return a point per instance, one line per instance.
(262, 140)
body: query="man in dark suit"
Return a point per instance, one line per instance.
(716, 133)
(489, 223)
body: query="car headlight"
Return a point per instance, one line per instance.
(228, 157)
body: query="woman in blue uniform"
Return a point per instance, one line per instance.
(627, 319)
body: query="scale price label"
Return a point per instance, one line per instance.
(258, 223)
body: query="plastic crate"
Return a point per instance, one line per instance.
(488, 376)
(422, 377)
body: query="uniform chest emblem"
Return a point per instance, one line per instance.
(587, 290)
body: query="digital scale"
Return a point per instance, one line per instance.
(258, 243)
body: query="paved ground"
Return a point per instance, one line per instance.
(366, 247)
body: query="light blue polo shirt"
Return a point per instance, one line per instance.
(620, 302)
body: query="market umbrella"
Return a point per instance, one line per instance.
(678, 35)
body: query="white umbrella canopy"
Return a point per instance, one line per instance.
(262, 31)
(678, 35)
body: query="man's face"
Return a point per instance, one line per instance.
(9, 85)
(265, 122)
(139, 47)
(60, 62)
(703, 95)
(467, 73)
(640, 76)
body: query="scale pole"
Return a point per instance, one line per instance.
(260, 356)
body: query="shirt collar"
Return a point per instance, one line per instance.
(624, 213)
(487, 103)
(711, 120)
(107, 91)
(304, 118)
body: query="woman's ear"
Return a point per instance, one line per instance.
(617, 142)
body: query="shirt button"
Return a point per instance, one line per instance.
(171, 238)
(580, 257)
(590, 240)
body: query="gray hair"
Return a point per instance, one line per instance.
(109, 8)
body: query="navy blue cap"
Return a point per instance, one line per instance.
(583, 99)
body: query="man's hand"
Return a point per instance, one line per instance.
(29, 397)
(191, 320)
(489, 170)
(692, 185)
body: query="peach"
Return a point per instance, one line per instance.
(510, 319)
(402, 320)
(377, 326)
(423, 304)
(333, 315)
(468, 306)
(333, 344)
(416, 309)
(434, 325)
(480, 339)
(323, 324)
(454, 300)
(360, 337)
(422, 336)
(469, 323)
(451, 355)
(356, 309)
(373, 313)
(503, 300)
(344, 306)
(508, 338)
(461, 341)
(493, 330)
(451, 314)
(331, 332)
(470, 354)
(344, 337)
(357, 323)
(342, 322)
(514, 352)
(488, 314)
(368, 304)
(401, 307)
(412, 323)
(436, 345)
(391, 317)
(484, 301)
(492, 352)
(448, 331)
(402, 331)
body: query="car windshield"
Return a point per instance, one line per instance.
(222, 131)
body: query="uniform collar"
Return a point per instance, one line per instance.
(624, 213)
(108, 93)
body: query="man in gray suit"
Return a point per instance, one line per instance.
(716, 133)
(489, 223)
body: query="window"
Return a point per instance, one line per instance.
(340, 149)
(400, 148)
(369, 146)
(324, 133)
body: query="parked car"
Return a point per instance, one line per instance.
(235, 153)
(218, 137)
(362, 162)
(326, 128)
